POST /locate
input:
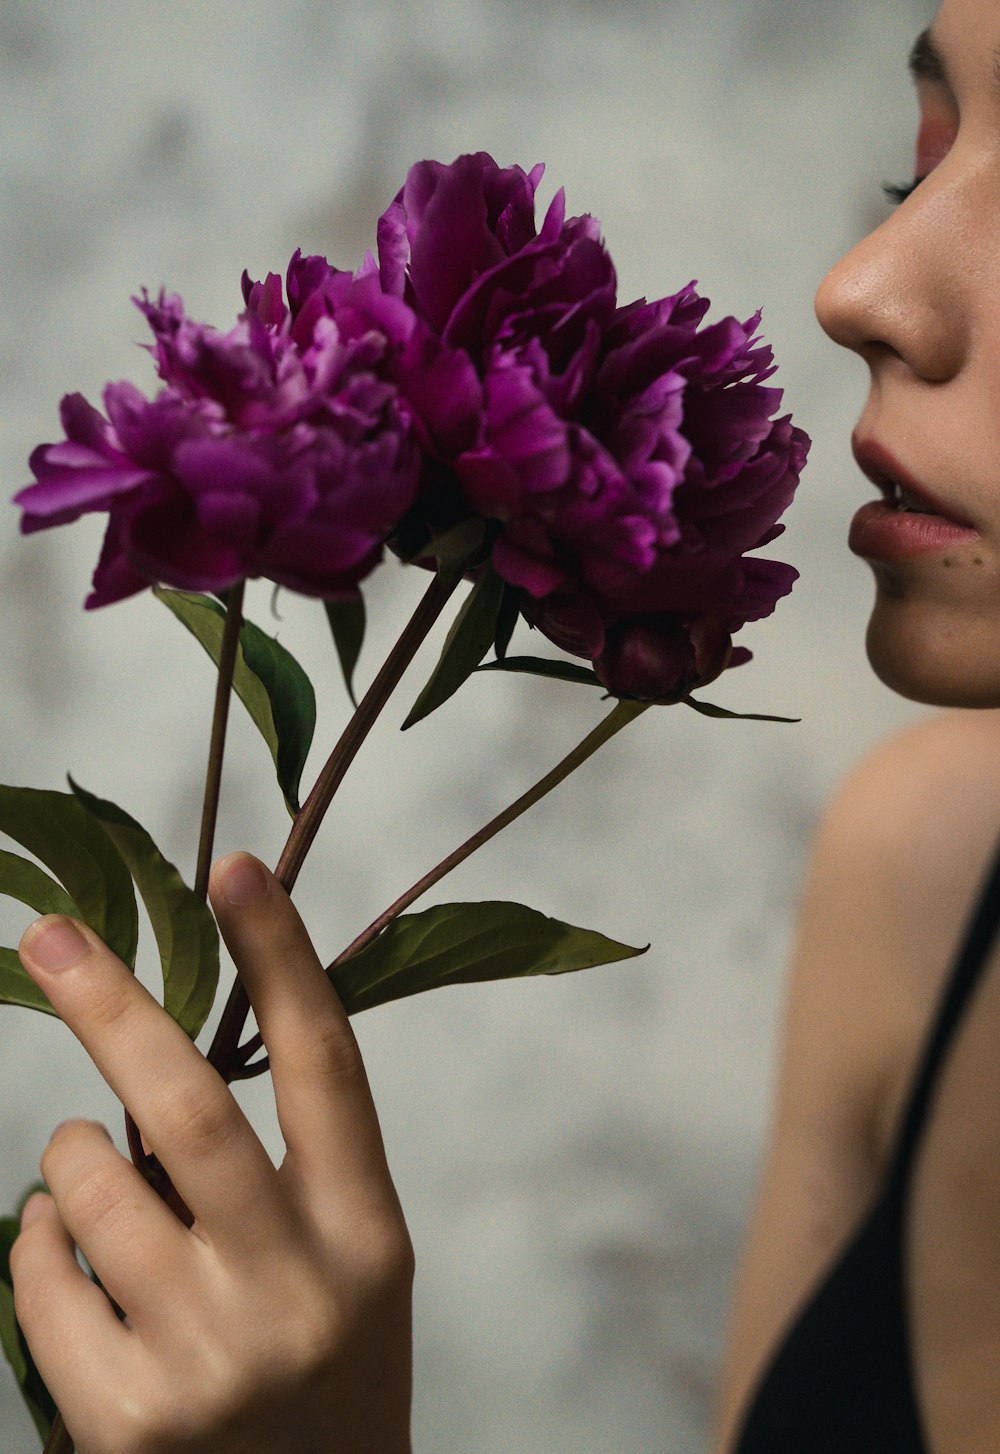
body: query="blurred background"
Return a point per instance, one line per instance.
(576, 1156)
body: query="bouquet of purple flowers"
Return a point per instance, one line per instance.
(474, 400)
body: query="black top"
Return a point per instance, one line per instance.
(842, 1381)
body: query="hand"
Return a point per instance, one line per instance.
(280, 1320)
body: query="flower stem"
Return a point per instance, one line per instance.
(307, 822)
(147, 1164)
(220, 718)
(623, 713)
(224, 1050)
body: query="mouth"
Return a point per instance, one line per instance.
(899, 490)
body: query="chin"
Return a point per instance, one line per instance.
(939, 657)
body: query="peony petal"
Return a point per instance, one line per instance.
(536, 576)
(166, 543)
(116, 577)
(571, 622)
(65, 494)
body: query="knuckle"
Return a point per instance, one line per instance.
(197, 1121)
(301, 1347)
(312, 1344)
(144, 1425)
(331, 1052)
(34, 1297)
(108, 1004)
(160, 1416)
(390, 1264)
(382, 1261)
(97, 1198)
(309, 1341)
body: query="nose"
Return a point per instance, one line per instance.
(898, 294)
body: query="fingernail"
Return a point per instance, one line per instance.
(55, 944)
(244, 881)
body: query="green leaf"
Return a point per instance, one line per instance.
(708, 710)
(58, 831)
(24, 880)
(347, 622)
(468, 641)
(458, 549)
(17, 987)
(510, 609)
(36, 1396)
(185, 930)
(266, 678)
(293, 704)
(467, 944)
(541, 666)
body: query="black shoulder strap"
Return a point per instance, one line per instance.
(967, 973)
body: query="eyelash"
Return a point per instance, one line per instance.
(897, 194)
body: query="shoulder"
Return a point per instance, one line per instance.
(902, 849)
(897, 863)
(941, 772)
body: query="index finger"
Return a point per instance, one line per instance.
(181, 1104)
(323, 1101)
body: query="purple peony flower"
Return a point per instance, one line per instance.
(628, 457)
(280, 449)
(625, 458)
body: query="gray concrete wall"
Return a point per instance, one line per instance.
(576, 1156)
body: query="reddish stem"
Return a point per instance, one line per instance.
(623, 713)
(224, 1052)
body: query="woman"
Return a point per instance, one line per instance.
(901, 855)
(211, 1357)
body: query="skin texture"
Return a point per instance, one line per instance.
(917, 301)
(210, 1360)
(905, 844)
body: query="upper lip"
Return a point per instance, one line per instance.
(885, 471)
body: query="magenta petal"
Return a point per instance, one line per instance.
(538, 577)
(207, 466)
(233, 519)
(454, 244)
(66, 494)
(115, 577)
(164, 540)
(318, 550)
(83, 423)
(393, 248)
(650, 660)
(626, 457)
(571, 622)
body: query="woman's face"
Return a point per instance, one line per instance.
(919, 300)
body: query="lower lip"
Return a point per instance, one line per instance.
(879, 532)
